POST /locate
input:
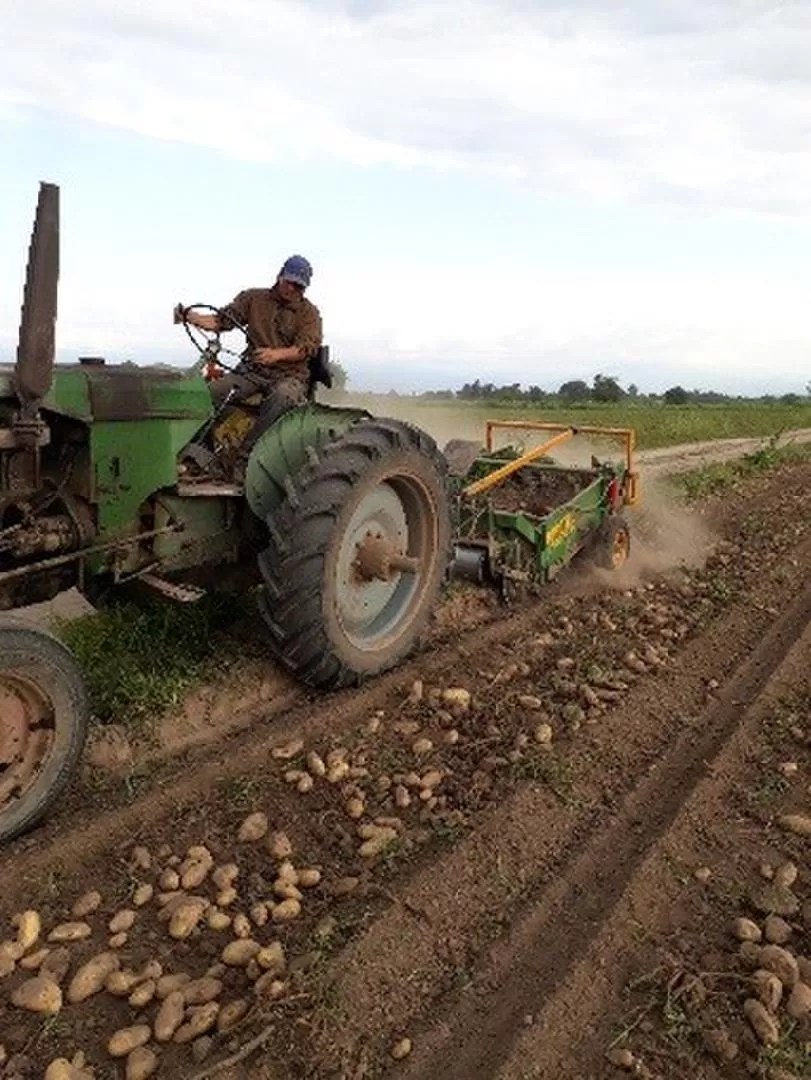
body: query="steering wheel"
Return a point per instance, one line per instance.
(211, 347)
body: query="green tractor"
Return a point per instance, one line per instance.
(116, 474)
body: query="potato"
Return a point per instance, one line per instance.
(433, 778)
(259, 914)
(285, 891)
(271, 958)
(170, 1016)
(70, 931)
(218, 920)
(141, 1063)
(457, 697)
(269, 987)
(38, 995)
(355, 807)
(237, 953)
(121, 983)
(309, 878)
(316, 764)
(287, 750)
(169, 880)
(401, 1049)
(170, 984)
(279, 846)
(764, 1025)
(185, 918)
(202, 1020)
(29, 926)
(86, 904)
(194, 869)
(304, 783)
(286, 910)
(402, 799)
(338, 772)
(90, 977)
(124, 1041)
(143, 894)
(143, 994)
(140, 859)
(118, 941)
(34, 960)
(122, 921)
(287, 872)
(231, 1014)
(201, 991)
(242, 926)
(60, 1069)
(377, 843)
(225, 876)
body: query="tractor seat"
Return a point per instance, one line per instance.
(319, 371)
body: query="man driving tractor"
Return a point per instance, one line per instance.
(284, 331)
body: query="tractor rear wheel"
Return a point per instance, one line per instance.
(358, 554)
(44, 713)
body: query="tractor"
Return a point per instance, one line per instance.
(113, 475)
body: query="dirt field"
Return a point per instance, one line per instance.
(565, 841)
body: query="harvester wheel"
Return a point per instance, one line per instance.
(44, 713)
(613, 544)
(358, 554)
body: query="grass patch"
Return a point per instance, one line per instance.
(656, 424)
(140, 661)
(722, 477)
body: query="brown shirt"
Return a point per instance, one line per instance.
(275, 323)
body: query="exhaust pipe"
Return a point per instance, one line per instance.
(36, 349)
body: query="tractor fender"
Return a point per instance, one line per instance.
(281, 452)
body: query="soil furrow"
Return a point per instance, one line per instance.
(473, 1036)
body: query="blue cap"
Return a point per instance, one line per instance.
(297, 269)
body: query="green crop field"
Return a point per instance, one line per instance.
(656, 424)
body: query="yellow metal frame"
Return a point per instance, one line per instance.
(564, 433)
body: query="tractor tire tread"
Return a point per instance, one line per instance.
(291, 601)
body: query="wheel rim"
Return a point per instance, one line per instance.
(619, 548)
(26, 735)
(398, 515)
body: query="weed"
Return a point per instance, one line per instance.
(241, 791)
(725, 476)
(555, 773)
(789, 1054)
(447, 833)
(140, 661)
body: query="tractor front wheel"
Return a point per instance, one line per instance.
(43, 724)
(358, 554)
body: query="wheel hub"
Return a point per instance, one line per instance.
(377, 578)
(26, 734)
(378, 558)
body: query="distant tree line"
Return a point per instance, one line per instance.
(604, 389)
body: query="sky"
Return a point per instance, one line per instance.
(509, 190)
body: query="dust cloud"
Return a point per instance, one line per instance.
(666, 535)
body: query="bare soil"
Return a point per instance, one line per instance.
(582, 792)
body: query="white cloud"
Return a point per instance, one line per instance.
(699, 100)
(701, 103)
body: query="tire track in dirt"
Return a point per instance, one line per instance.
(474, 1035)
(668, 903)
